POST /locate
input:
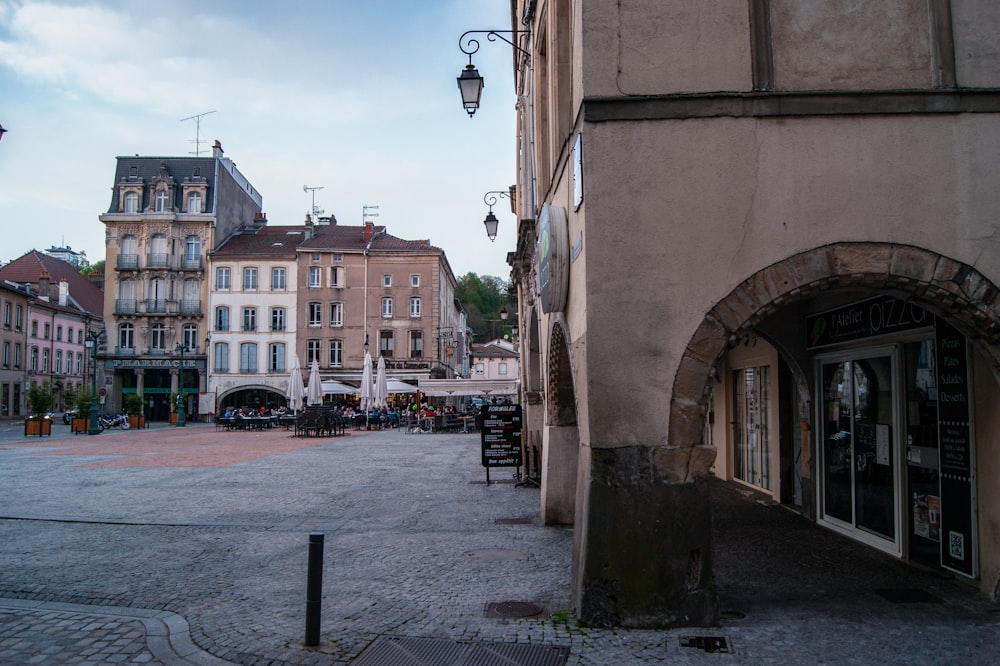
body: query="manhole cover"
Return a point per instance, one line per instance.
(707, 643)
(909, 595)
(513, 609)
(405, 651)
(494, 554)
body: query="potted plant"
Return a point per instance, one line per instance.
(40, 400)
(173, 407)
(133, 409)
(81, 421)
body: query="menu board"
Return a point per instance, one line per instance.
(957, 528)
(501, 435)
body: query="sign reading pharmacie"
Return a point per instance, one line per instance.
(153, 364)
(882, 315)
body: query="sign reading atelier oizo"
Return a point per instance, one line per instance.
(876, 316)
(501, 435)
(553, 258)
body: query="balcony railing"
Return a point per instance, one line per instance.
(125, 306)
(158, 260)
(156, 306)
(190, 263)
(128, 262)
(190, 307)
(125, 351)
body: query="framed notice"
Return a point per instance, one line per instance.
(501, 435)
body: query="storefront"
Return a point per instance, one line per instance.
(894, 433)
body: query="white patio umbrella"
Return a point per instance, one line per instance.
(381, 387)
(296, 389)
(366, 384)
(314, 391)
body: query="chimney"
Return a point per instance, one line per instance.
(260, 219)
(369, 231)
(44, 280)
(217, 149)
(63, 291)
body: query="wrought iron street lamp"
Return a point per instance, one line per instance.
(470, 83)
(180, 388)
(93, 338)
(491, 222)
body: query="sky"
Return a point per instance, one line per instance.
(356, 97)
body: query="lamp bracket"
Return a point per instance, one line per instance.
(491, 198)
(470, 45)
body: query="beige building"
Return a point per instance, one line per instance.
(769, 228)
(166, 213)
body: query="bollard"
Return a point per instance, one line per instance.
(314, 589)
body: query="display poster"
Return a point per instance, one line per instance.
(955, 435)
(501, 435)
(866, 319)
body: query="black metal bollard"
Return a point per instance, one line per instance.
(314, 589)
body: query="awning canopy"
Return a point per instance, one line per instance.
(332, 387)
(396, 386)
(489, 387)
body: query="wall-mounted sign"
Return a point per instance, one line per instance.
(153, 363)
(881, 315)
(553, 258)
(578, 171)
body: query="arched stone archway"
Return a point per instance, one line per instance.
(947, 287)
(561, 437)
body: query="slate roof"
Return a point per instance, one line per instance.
(28, 269)
(148, 168)
(264, 241)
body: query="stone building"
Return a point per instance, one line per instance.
(765, 231)
(166, 214)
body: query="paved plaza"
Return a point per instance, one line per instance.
(190, 546)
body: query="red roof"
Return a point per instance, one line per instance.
(29, 268)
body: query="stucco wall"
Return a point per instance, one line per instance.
(977, 50)
(987, 433)
(728, 197)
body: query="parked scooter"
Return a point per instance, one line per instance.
(116, 421)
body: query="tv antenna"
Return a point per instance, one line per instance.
(315, 211)
(197, 131)
(365, 214)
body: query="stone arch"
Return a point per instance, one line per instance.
(943, 285)
(561, 437)
(560, 396)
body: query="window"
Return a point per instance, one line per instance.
(479, 368)
(69, 334)
(79, 337)
(277, 319)
(315, 314)
(194, 202)
(18, 312)
(157, 301)
(162, 201)
(414, 280)
(34, 359)
(385, 343)
(416, 344)
(277, 279)
(34, 329)
(131, 202)
(221, 357)
(223, 278)
(46, 359)
(336, 353)
(189, 337)
(386, 280)
(6, 354)
(337, 276)
(17, 354)
(336, 314)
(415, 306)
(126, 336)
(249, 319)
(314, 276)
(249, 279)
(312, 351)
(502, 368)
(157, 252)
(314, 256)
(222, 318)
(59, 360)
(79, 363)
(276, 357)
(248, 357)
(7, 309)
(59, 330)
(337, 256)
(387, 307)
(192, 248)
(48, 331)
(159, 338)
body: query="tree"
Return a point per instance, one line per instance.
(86, 268)
(39, 399)
(483, 297)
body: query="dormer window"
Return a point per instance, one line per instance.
(162, 201)
(131, 204)
(194, 202)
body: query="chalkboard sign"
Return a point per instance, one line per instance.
(501, 435)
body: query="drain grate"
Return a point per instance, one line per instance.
(406, 651)
(909, 595)
(513, 609)
(707, 643)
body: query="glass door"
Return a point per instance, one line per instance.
(751, 434)
(922, 452)
(859, 489)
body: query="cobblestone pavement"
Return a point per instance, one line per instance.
(189, 546)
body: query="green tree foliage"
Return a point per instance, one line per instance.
(483, 297)
(86, 268)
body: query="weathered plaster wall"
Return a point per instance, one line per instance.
(987, 434)
(977, 50)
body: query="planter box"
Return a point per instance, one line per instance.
(40, 428)
(137, 421)
(77, 426)
(173, 417)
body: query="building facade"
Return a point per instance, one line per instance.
(13, 309)
(495, 360)
(166, 214)
(764, 230)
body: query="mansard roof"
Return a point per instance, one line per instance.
(144, 170)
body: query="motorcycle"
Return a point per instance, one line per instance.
(116, 421)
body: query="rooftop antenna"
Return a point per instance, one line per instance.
(315, 211)
(197, 131)
(365, 214)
